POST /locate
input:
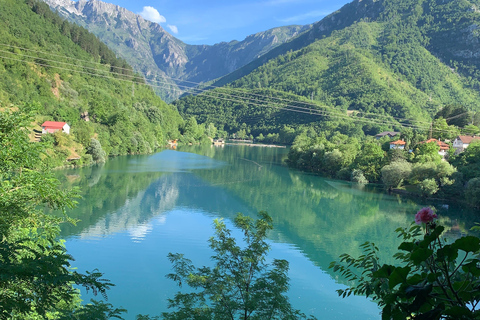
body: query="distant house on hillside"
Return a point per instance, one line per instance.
(399, 144)
(53, 126)
(444, 147)
(390, 134)
(462, 142)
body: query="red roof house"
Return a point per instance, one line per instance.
(443, 146)
(53, 126)
(399, 144)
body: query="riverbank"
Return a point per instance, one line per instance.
(256, 145)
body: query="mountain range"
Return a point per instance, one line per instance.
(168, 63)
(386, 63)
(380, 63)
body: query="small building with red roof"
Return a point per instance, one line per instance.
(444, 147)
(399, 144)
(53, 126)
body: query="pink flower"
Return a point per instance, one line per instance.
(425, 215)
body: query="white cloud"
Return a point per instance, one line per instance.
(152, 14)
(172, 28)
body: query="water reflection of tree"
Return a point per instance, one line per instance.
(323, 218)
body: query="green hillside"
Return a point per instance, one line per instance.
(65, 71)
(396, 59)
(347, 70)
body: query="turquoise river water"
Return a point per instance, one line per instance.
(137, 209)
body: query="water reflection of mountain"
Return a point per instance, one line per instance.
(116, 197)
(135, 214)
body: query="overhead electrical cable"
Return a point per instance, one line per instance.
(207, 92)
(194, 89)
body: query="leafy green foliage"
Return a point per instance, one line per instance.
(472, 193)
(394, 174)
(70, 73)
(434, 280)
(427, 152)
(370, 160)
(456, 115)
(37, 280)
(468, 162)
(193, 132)
(241, 285)
(97, 310)
(95, 149)
(241, 111)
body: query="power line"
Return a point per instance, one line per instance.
(208, 86)
(287, 108)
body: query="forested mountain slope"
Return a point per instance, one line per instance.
(401, 58)
(66, 71)
(159, 55)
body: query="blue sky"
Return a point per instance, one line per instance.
(213, 21)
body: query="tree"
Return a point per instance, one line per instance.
(433, 280)
(241, 285)
(472, 194)
(430, 176)
(211, 130)
(471, 130)
(468, 162)
(456, 115)
(333, 162)
(370, 160)
(358, 177)
(95, 149)
(395, 173)
(36, 279)
(427, 152)
(442, 130)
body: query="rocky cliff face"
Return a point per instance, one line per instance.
(170, 65)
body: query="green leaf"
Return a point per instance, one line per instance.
(415, 279)
(384, 272)
(433, 276)
(448, 253)
(472, 267)
(467, 244)
(407, 246)
(399, 275)
(458, 312)
(420, 255)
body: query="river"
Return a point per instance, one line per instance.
(137, 209)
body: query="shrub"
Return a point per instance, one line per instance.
(434, 280)
(95, 149)
(358, 177)
(395, 173)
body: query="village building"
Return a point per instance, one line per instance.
(389, 134)
(462, 142)
(444, 147)
(399, 144)
(53, 126)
